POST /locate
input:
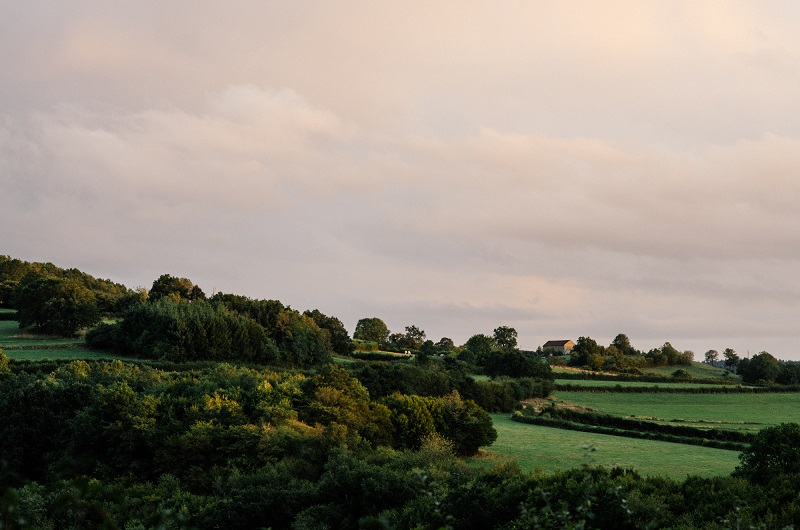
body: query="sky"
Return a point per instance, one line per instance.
(564, 168)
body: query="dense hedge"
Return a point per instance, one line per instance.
(8, 315)
(593, 376)
(499, 395)
(617, 389)
(597, 429)
(617, 422)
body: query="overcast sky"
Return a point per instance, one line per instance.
(564, 168)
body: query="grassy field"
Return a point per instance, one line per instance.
(698, 371)
(535, 447)
(728, 411)
(19, 345)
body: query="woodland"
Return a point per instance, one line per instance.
(231, 412)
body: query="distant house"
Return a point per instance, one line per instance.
(557, 347)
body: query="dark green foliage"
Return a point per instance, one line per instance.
(623, 344)
(371, 329)
(761, 368)
(667, 355)
(55, 305)
(585, 348)
(184, 331)
(514, 363)
(681, 374)
(461, 422)
(167, 286)
(336, 397)
(412, 339)
(641, 426)
(215, 446)
(339, 338)
(109, 297)
(501, 395)
(731, 358)
(298, 337)
(477, 349)
(773, 453)
(506, 338)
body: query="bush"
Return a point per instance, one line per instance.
(774, 452)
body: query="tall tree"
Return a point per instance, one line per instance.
(712, 356)
(731, 358)
(506, 338)
(623, 344)
(371, 329)
(477, 349)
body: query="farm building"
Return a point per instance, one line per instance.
(558, 347)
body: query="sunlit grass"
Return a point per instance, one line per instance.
(548, 449)
(735, 411)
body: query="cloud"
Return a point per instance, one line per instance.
(575, 169)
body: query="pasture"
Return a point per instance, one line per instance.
(23, 346)
(696, 369)
(726, 411)
(543, 448)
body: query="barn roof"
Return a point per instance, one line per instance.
(552, 343)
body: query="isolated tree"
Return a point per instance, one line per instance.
(712, 356)
(623, 344)
(506, 338)
(371, 329)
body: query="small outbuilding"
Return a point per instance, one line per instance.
(558, 347)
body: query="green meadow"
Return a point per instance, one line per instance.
(23, 346)
(543, 448)
(696, 369)
(729, 411)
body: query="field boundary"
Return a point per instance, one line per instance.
(644, 435)
(721, 389)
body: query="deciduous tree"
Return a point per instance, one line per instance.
(371, 329)
(712, 356)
